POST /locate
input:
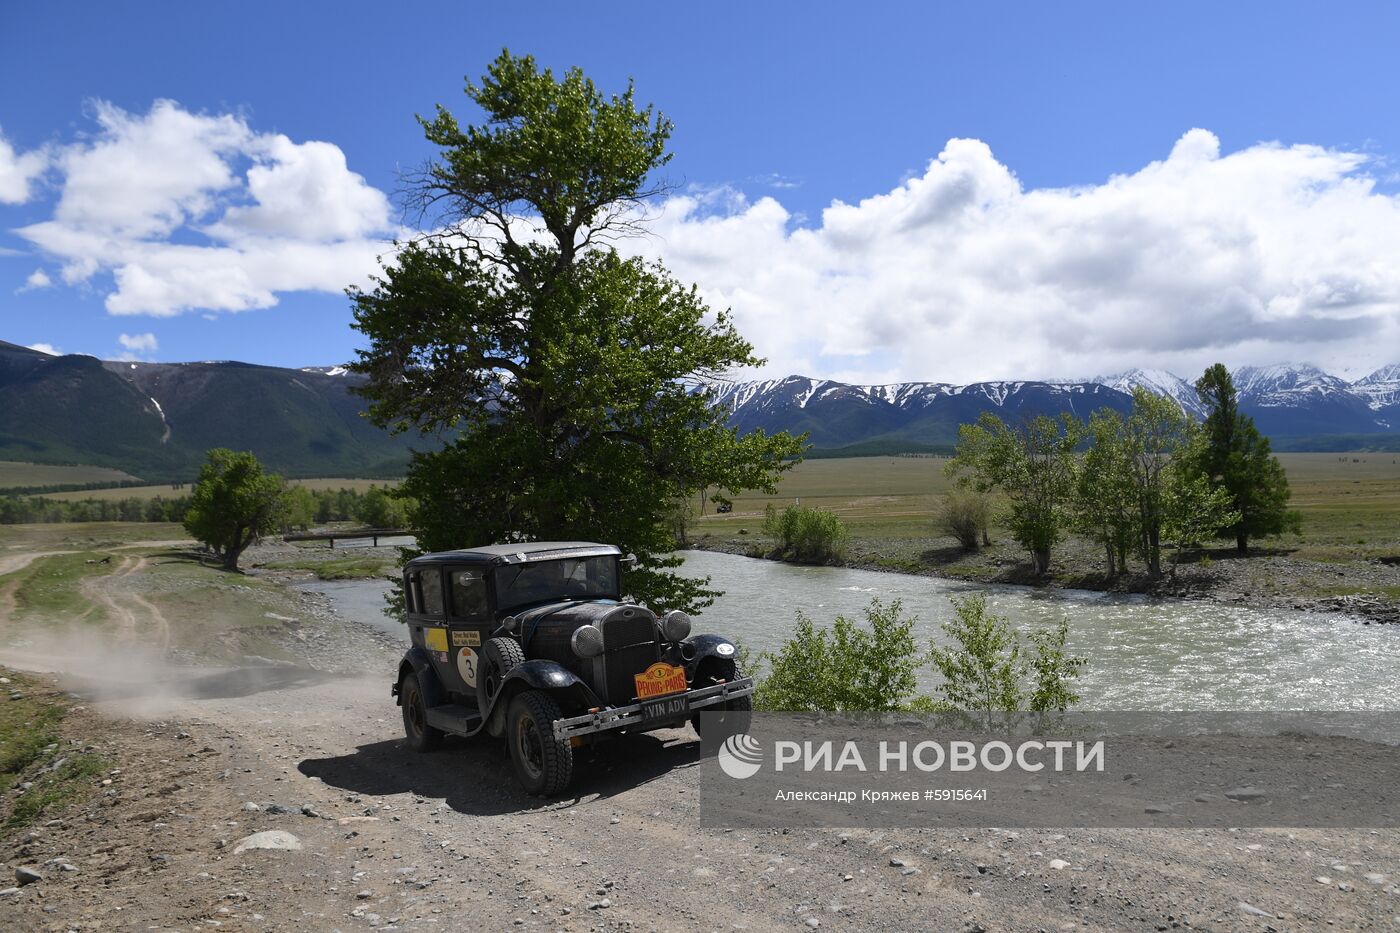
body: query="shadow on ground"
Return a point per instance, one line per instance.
(475, 776)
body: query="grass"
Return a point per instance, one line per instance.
(338, 568)
(14, 474)
(210, 613)
(31, 744)
(168, 491)
(1350, 503)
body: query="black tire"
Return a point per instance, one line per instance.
(734, 715)
(498, 656)
(421, 736)
(544, 764)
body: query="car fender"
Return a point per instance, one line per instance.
(417, 660)
(697, 648)
(539, 674)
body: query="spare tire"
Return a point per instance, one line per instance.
(498, 657)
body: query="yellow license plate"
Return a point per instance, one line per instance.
(659, 679)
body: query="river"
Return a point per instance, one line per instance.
(1143, 654)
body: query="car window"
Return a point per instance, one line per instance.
(430, 586)
(468, 594)
(572, 578)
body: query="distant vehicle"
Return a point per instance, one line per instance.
(535, 643)
(724, 507)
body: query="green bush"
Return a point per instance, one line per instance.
(849, 667)
(966, 515)
(809, 535)
(991, 671)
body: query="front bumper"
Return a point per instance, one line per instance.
(622, 717)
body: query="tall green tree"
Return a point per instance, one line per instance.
(1034, 465)
(234, 503)
(569, 382)
(1106, 504)
(1236, 458)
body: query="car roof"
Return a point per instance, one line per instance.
(518, 553)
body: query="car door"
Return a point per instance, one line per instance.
(427, 618)
(469, 624)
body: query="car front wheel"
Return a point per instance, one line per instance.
(543, 763)
(733, 715)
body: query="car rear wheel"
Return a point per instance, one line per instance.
(421, 736)
(543, 763)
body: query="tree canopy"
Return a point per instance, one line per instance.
(233, 503)
(567, 381)
(1236, 458)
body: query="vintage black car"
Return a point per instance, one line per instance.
(536, 643)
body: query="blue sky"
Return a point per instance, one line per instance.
(780, 109)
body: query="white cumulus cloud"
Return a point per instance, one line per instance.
(139, 343)
(19, 171)
(1268, 253)
(36, 280)
(192, 211)
(48, 348)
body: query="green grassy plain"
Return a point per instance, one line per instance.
(14, 474)
(1350, 503)
(166, 491)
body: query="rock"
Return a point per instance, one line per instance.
(363, 895)
(601, 904)
(911, 871)
(27, 875)
(1246, 794)
(1252, 910)
(281, 809)
(270, 839)
(309, 810)
(896, 863)
(9, 892)
(1058, 864)
(251, 807)
(1376, 877)
(1323, 879)
(1157, 808)
(813, 922)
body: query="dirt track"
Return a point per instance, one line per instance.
(444, 841)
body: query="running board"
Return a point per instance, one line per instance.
(457, 718)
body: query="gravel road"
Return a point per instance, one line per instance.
(214, 761)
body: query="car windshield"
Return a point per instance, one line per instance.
(573, 578)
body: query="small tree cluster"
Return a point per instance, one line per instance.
(1147, 481)
(812, 536)
(991, 670)
(846, 668)
(988, 670)
(1033, 465)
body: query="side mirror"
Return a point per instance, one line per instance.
(629, 559)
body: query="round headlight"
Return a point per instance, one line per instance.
(510, 624)
(676, 625)
(587, 641)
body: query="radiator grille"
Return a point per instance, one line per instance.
(629, 647)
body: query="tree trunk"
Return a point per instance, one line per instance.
(1154, 553)
(1041, 559)
(1108, 552)
(1242, 542)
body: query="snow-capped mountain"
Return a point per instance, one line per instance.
(1286, 401)
(327, 370)
(1158, 382)
(1381, 389)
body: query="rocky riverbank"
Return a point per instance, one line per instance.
(1368, 590)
